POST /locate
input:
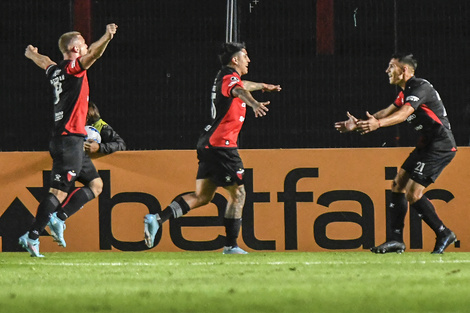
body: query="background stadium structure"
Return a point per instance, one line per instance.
(153, 83)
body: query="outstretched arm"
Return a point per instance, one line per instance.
(373, 122)
(385, 112)
(259, 108)
(96, 49)
(252, 86)
(43, 61)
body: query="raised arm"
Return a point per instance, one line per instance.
(43, 61)
(96, 49)
(259, 108)
(253, 86)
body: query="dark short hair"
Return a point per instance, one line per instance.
(406, 58)
(93, 114)
(227, 51)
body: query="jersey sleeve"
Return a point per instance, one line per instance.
(400, 100)
(229, 82)
(50, 68)
(415, 97)
(75, 68)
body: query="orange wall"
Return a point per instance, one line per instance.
(304, 200)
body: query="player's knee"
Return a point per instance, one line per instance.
(204, 199)
(59, 194)
(413, 195)
(96, 186)
(396, 187)
(240, 195)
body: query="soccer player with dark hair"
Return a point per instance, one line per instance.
(110, 139)
(419, 104)
(217, 148)
(69, 161)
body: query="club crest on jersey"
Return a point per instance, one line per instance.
(234, 80)
(240, 173)
(400, 100)
(412, 98)
(71, 175)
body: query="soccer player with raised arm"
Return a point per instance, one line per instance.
(217, 148)
(69, 84)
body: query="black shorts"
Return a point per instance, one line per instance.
(424, 166)
(70, 163)
(223, 166)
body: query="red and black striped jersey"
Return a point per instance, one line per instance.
(430, 116)
(227, 112)
(70, 93)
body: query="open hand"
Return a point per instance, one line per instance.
(369, 125)
(261, 110)
(348, 125)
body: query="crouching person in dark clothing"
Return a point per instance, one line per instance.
(110, 139)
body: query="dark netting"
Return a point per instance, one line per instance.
(153, 83)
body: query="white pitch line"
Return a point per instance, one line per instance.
(111, 264)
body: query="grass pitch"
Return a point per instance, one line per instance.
(258, 282)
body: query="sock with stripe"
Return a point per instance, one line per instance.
(177, 208)
(74, 202)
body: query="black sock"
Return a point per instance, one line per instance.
(397, 212)
(177, 208)
(47, 206)
(427, 212)
(232, 229)
(74, 202)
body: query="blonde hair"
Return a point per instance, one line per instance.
(66, 39)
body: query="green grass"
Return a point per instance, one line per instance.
(257, 282)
